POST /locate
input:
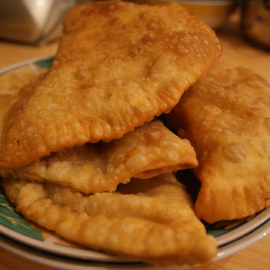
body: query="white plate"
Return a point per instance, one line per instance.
(240, 228)
(71, 264)
(14, 226)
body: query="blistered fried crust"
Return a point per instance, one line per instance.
(226, 117)
(117, 66)
(15, 88)
(149, 220)
(146, 152)
(12, 81)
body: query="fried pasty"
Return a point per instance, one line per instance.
(117, 66)
(11, 84)
(226, 117)
(15, 88)
(12, 81)
(147, 151)
(148, 220)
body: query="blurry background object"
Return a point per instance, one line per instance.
(213, 12)
(255, 21)
(33, 21)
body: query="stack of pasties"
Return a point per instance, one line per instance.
(82, 153)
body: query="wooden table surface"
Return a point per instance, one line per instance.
(237, 52)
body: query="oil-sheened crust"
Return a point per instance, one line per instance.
(226, 117)
(15, 88)
(11, 83)
(148, 151)
(117, 66)
(148, 220)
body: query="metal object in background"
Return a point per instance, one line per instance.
(255, 21)
(33, 21)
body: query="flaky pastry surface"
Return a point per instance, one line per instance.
(117, 66)
(15, 88)
(150, 220)
(148, 151)
(226, 117)
(12, 81)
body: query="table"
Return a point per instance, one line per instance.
(237, 52)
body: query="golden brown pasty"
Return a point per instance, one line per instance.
(148, 220)
(147, 151)
(15, 88)
(117, 66)
(226, 117)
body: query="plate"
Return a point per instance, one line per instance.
(16, 227)
(71, 264)
(231, 236)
